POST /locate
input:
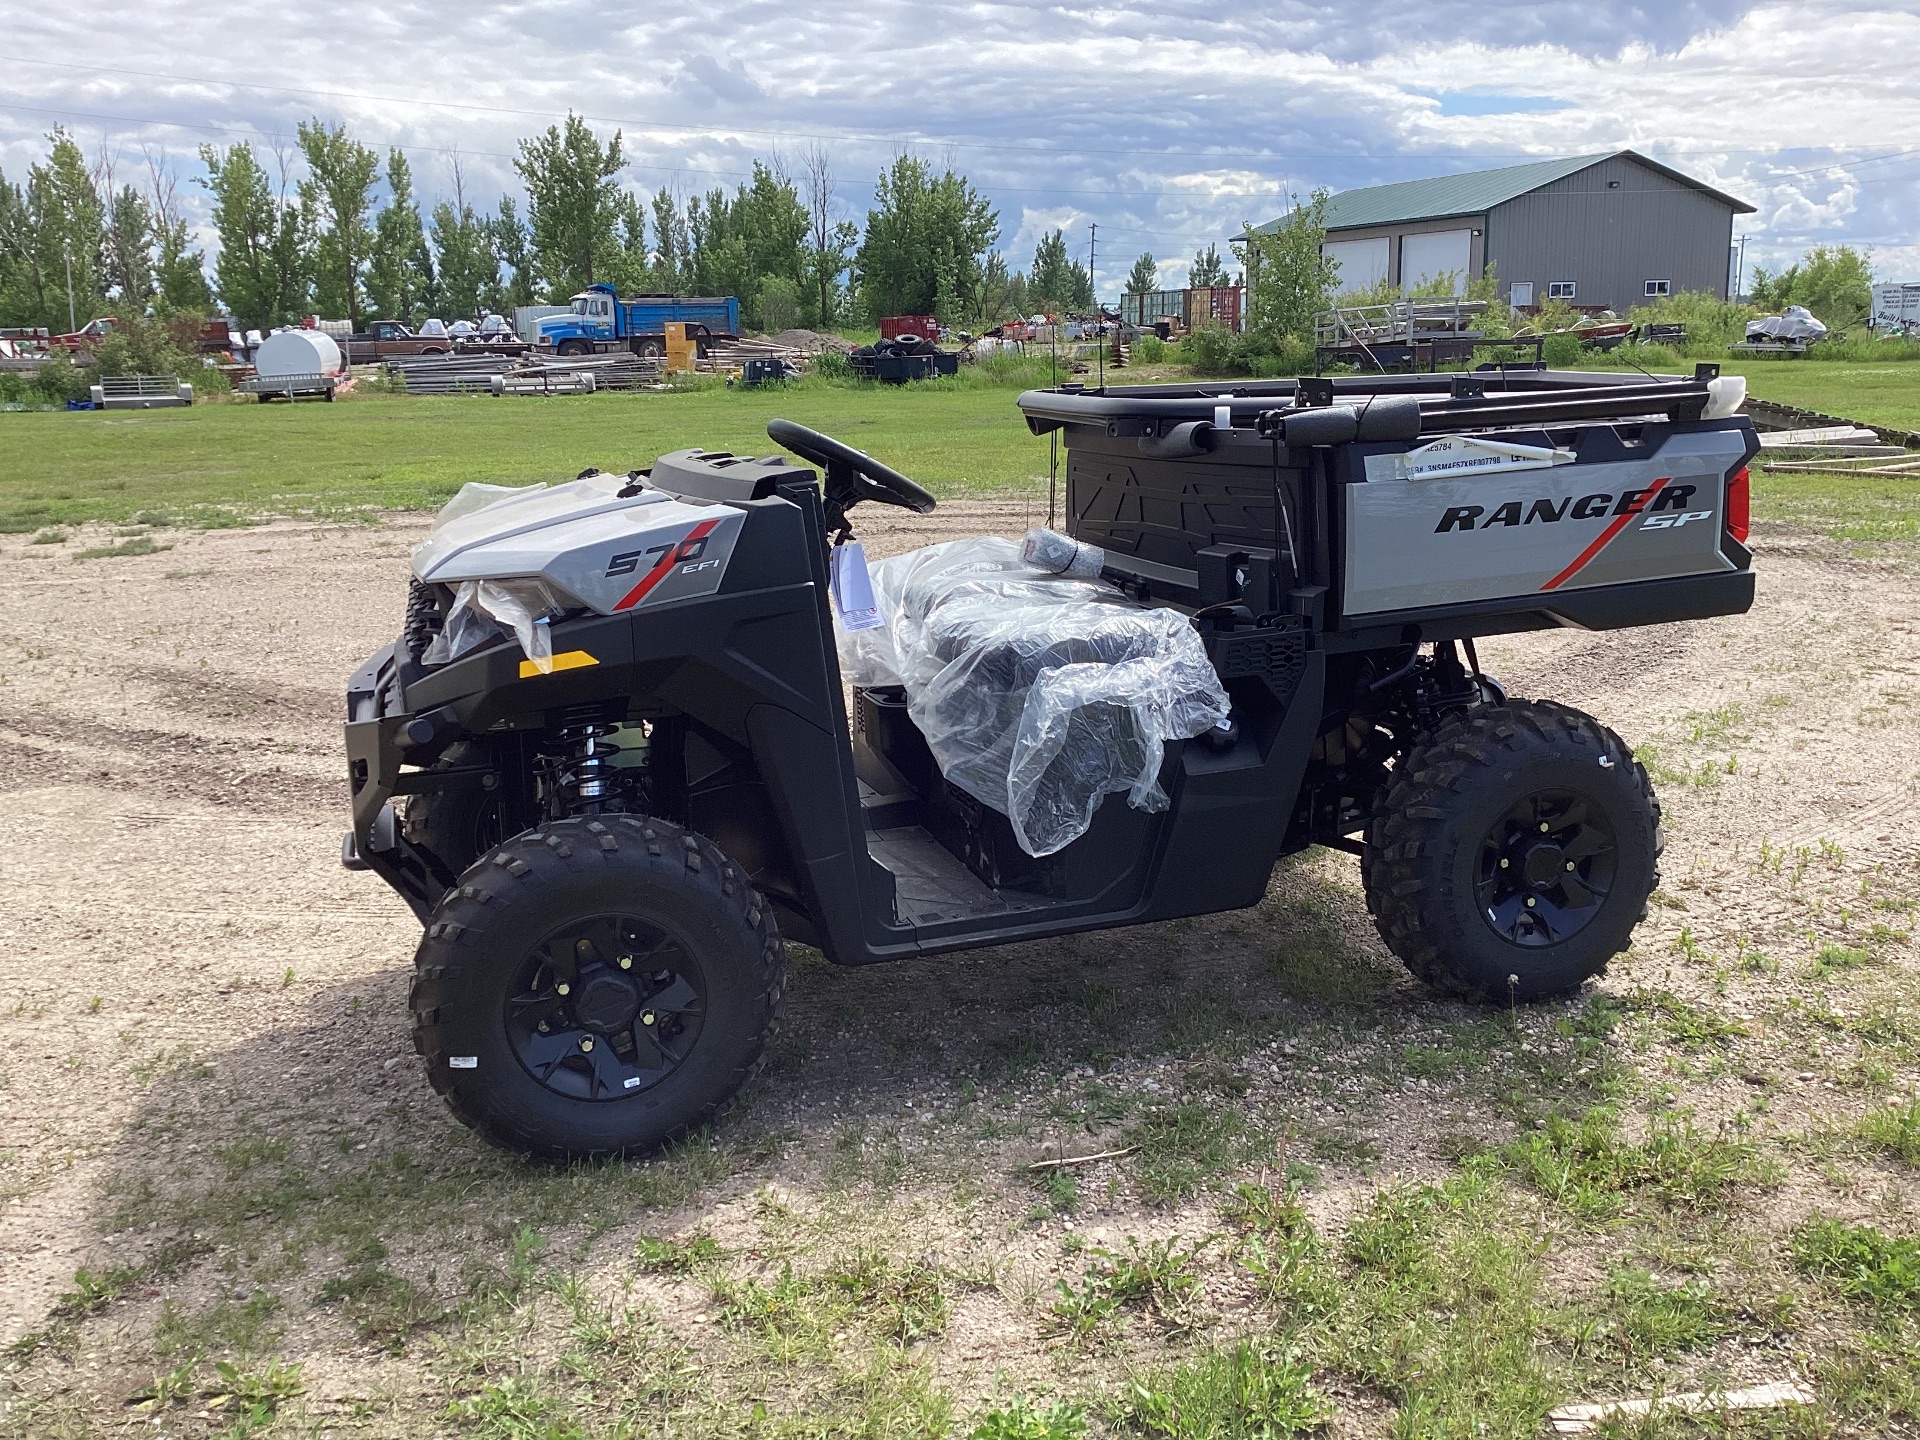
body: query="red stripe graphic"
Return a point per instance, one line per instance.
(665, 563)
(1600, 543)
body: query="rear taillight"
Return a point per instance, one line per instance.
(1738, 509)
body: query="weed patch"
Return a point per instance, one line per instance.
(1021, 1421)
(1863, 1263)
(385, 1308)
(1587, 1166)
(136, 545)
(653, 1255)
(1249, 1390)
(1160, 1278)
(1895, 1130)
(1184, 1145)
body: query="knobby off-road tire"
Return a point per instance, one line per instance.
(462, 823)
(1560, 799)
(581, 931)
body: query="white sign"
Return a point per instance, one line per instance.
(1463, 455)
(852, 588)
(1895, 306)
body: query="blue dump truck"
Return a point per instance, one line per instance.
(599, 321)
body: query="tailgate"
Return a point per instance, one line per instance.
(1544, 538)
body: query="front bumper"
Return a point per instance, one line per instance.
(377, 733)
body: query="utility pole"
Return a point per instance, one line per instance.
(1740, 272)
(66, 249)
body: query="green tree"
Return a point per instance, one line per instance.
(55, 222)
(717, 253)
(672, 246)
(179, 270)
(128, 251)
(1058, 279)
(1835, 282)
(1289, 281)
(572, 204)
(338, 192)
(629, 268)
(21, 291)
(400, 267)
(260, 272)
(774, 226)
(1144, 278)
(925, 244)
(1207, 269)
(515, 248)
(1003, 295)
(739, 242)
(464, 254)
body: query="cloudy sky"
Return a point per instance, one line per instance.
(1168, 122)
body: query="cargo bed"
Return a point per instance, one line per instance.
(1417, 507)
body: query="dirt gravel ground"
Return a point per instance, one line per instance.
(193, 990)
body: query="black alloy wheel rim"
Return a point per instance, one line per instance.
(605, 1008)
(1545, 868)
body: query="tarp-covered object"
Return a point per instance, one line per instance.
(1038, 695)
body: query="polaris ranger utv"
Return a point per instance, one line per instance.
(617, 718)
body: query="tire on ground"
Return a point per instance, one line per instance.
(1425, 847)
(537, 883)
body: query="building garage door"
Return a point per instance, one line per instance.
(1363, 263)
(1424, 257)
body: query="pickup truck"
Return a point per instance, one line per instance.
(83, 339)
(384, 339)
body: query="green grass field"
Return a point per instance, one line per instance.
(410, 453)
(1882, 394)
(221, 463)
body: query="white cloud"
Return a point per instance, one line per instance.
(1168, 121)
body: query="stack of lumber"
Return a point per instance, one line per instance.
(1845, 449)
(732, 354)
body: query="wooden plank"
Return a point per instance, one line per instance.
(1820, 435)
(1585, 1419)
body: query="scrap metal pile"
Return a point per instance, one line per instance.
(534, 374)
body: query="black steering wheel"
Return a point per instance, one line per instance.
(848, 470)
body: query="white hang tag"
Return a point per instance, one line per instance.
(1455, 455)
(1223, 417)
(852, 588)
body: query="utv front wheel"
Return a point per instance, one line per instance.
(596, 987)
(1514, 853)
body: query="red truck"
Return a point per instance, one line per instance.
(84, 338)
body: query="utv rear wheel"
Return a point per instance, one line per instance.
(1514, 853)
(596, 988)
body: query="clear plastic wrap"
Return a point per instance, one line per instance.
(485, 610)
(1038, 695)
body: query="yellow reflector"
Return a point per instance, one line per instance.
(565, 660)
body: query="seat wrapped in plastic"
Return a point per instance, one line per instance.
(1038, 695)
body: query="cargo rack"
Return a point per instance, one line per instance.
(1494, 398)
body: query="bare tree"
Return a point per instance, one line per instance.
(830, 242)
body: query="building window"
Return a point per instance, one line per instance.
(1520, 293)
(1560, 289)
(1657, 289)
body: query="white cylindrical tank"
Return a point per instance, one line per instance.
(296, 352)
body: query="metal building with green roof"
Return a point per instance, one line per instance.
(1610, 230)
